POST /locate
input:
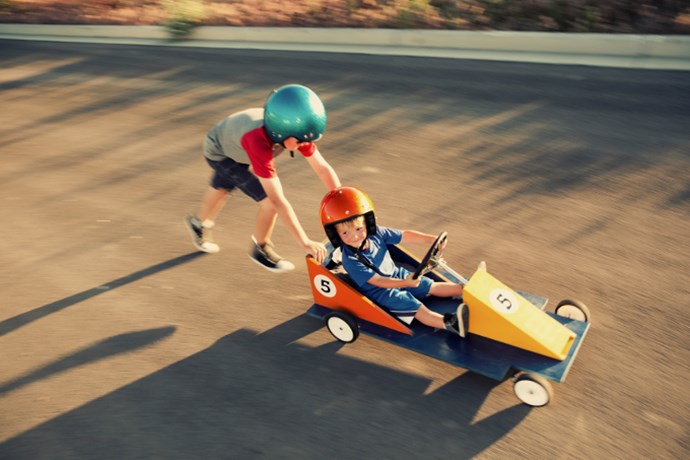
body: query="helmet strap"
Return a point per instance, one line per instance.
(365, 260)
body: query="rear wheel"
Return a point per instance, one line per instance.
(573, 309)
(533, 390)
(342, 326)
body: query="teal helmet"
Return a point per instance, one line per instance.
(294, 111)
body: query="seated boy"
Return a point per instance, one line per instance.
(348, 217)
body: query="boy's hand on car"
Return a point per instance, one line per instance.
(411, 282)
(316, 250)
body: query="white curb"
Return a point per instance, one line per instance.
(670, 52)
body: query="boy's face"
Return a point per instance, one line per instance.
(292, 143)
(352, 232)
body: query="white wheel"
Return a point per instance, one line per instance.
(573, 309)
(533, 390)
(342, 326)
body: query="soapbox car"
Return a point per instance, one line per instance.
(510, 336)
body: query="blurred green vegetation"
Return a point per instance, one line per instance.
(183, 16)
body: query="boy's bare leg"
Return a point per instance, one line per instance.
(445, 289)
(429, 318)
(263, 252)
(457, 322)
(212, 203)
(200, 226)
(265, 221)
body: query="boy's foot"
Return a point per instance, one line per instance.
(458, 322)
(201, 236)
(267, 257)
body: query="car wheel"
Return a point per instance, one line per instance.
(533, 390)
(342, 326)
(573, 309)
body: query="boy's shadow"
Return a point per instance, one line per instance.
(23, 319)
(266, 395)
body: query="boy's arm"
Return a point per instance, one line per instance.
(324, 170)
(393, 283)
(415, 237)
(274, 191)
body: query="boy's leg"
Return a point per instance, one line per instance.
(265, 221)
(212, 204)
(402, 303)
(263, 252)
(200, 226)
(213, 201)
(429, 318)
(445, 289)
(454, 322)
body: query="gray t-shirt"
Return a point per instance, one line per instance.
(224, 139)
(242, 138)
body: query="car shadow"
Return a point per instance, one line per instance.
(266, 395)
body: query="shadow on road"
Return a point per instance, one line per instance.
(119, 344)
(265, 395)
(18, 321)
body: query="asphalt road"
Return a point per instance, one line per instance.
(118, 341)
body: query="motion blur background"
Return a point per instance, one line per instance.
(119, 341)
(594, 16)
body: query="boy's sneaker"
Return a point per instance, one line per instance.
(267, 257)
(458, 322)
(201, 236)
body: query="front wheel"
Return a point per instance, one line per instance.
(533, 390)
(573, 309)
(342, 326)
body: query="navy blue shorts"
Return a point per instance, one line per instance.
(229, 175)
(405, 302)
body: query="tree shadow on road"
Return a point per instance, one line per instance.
(266, 395)
(23, 319)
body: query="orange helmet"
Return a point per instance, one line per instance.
(345, 203)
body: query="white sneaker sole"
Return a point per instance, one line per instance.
(283, 266)
(207, 247)
(462, 330)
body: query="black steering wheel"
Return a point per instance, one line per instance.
(432, 257)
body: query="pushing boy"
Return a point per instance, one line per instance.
(241, 150)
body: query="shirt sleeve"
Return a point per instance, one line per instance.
(260, 155)
(359, 272)
(389, 235)
(307, 149)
